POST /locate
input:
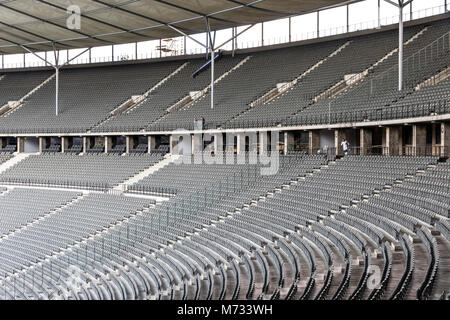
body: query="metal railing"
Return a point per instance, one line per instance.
(379, 150)
(402, 111)
(412, 151)
(46, 183)
(151, 190)
(388, 113)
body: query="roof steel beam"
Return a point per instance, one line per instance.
(93, 19)
(51, 23)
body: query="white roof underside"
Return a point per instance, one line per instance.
(39, 23)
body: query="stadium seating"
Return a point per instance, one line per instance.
(244, 79)
(15, 86)
(312, 231)
(91, 101)
(89, 170)
(128, 219)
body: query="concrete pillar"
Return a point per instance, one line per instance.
(288, 141)
(171, 144)
(20, 144)
(42, 144)
(218, 142)
(108, 144)
(263, 142)
(197, 143)
(229, 143)
(434, 145)
(365, 141)
(64, 144)
(240, 143)
(392, 143)
(151, 143)
(129, 144)
(314, 141)
(445, 139)
(338, 136)
(419, 139)
(253, 143)
(433, 134)
(85, 144)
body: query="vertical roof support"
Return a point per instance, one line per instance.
(212, 41)
(210, 44)
(400, 5)
(57, 67)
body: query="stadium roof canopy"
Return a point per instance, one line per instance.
(40, 24)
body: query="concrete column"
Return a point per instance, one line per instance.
(253, 143)
(218, 142)
(392, 141)
(42, 143)
(365, 141)
(85, 144)
(151, 144)
(433, 134)
(445, 139)
(20, 144)
(338, 136)
(419, 139)
(240, 143)
(197, 143)
(229, 143)
(2, 142)
(263, 142)
(314, 141)
(108, 144)
(171, 144)
(64, 144)
(434, 146)
(288, 141)
(129, 144)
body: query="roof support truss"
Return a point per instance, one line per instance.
(401, 4)
(57, 67)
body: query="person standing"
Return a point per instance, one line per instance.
(345, 145)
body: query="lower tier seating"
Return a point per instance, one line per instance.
(314, 230)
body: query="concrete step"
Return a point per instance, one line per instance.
(188, 101)
(13, 161)
(145, 173)
(44, 216)
(10, 108)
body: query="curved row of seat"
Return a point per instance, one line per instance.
(287, 242)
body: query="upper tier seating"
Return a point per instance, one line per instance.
(14, 86)
(377, 97)
(86, 96)
(253, 79)
(166, 95)
(86, 101)
(368, 49)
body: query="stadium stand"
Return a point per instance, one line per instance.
(312, 210)
(97, 204)
(89, 170)
(90, 103)
(316, 68)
